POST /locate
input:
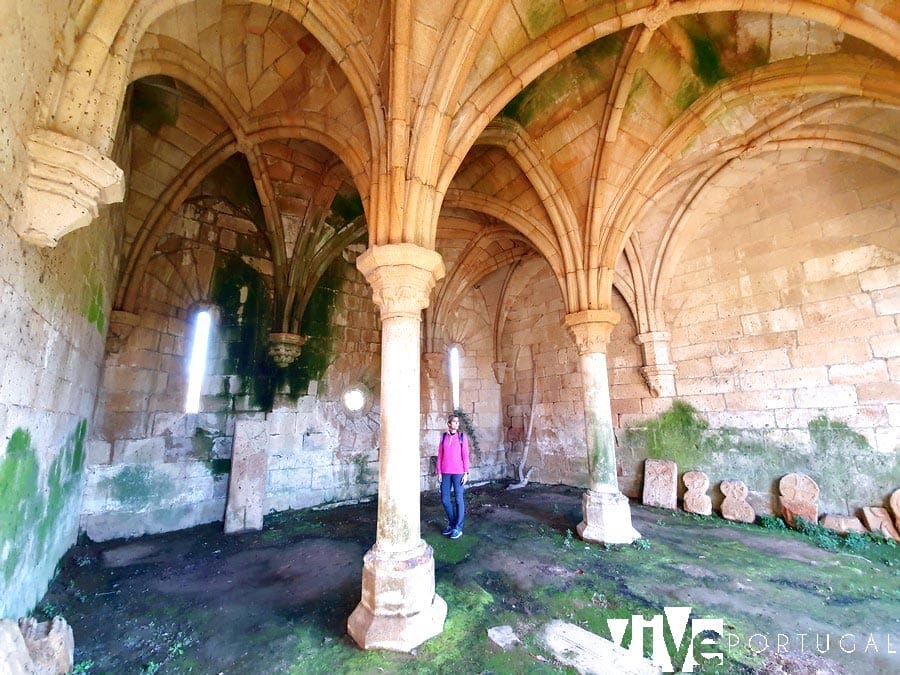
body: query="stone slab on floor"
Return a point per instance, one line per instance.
(591, 654)
(247, 486)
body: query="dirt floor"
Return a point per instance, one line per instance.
(277, 601)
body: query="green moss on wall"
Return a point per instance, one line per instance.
(677, 435)
(688, 92)
(706, 60)
(569, 84)
(244, 305)
(63, 482)
(93, 306)
(203, 448)
(20, 501)
(837, 452)
(316, 325)
(138, 487)
(542, 16)
(31, 515)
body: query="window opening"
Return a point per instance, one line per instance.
(354, 399)
(454, 375)
(197, 364)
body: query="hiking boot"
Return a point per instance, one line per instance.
(455, 534)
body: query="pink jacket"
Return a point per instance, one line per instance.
(453, 455)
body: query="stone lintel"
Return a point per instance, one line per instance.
(399, 609)
(402, 277)
(591, 329)
(67, 180)
(607, 518)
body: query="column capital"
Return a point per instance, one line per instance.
(402, 277)
(591, 329)
(66, 182)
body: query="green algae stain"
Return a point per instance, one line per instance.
(26, 510)
(21, 503)
(244, 305)
(62, 483)
(543, 15)
(316, 325)
(599, 50)
(568, 85)
(687, 93)
(706, 60)
(93, 306)
(136, 487)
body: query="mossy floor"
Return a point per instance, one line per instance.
(277, 601)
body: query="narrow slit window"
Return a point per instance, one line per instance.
(197, 365)
(454, 375)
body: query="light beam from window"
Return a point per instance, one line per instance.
(197, 365)
(454, 375)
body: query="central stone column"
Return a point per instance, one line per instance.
(399, 608)
(607, 515)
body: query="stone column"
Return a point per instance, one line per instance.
(606, 513)
(399, 608)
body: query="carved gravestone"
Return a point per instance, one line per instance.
(661, 483)
(247, 483)
(799, 497)
(695, 499)
(895, 507)
(843, 524)
(879, 520)
(735, 506)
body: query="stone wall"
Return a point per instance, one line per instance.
(783, 313)
(540, 351)
(469, 328)
(55, 313)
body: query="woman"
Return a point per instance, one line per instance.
(453, 472)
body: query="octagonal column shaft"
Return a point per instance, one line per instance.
(607, 515)
(399, 608)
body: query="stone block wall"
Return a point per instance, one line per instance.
(469, 328)
(783, 312)
(540, 352)
(54, 313)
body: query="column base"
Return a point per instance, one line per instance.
(607, 518)
(399, 609)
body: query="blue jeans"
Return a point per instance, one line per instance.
(456, 509)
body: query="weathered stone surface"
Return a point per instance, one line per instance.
(504, 637)
(661, 483)
(879, 520)
(895, 507)
(399, 608)
(607, 518)
(589, 653)
(247, 487)
(843, 524)
(735, 506)
(799, 497)
(695, 499)
(32, 648)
